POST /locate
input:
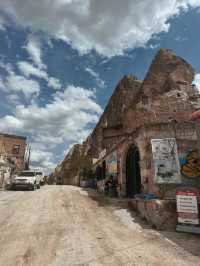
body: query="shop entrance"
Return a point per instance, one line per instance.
(133, 177)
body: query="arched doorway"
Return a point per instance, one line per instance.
(104, 170)
(133, 177)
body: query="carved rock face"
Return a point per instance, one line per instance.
(165, 72)
(163, 97)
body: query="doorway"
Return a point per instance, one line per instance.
(104, 170)
(133, 177)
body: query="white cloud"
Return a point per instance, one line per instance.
(10, 123)
(38, 156)
(13, 83)
(7, 66)
(34, 48)
(2, 85)
(42, 158)
(14, 99)
(39, 69)
(2, 24)
(100, 83)
(68, 118)
(181, 39)
(54, 83)
(108, 26)
(16, 83)
(29, 70)
(197, 81)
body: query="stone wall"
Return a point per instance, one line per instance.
(107, 132)
(75, 165)
(109, 129)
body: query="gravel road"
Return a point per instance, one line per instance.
(65, 225)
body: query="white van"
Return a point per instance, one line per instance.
(26, 179)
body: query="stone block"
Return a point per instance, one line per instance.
(161, 214)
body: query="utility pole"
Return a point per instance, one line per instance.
(29, 155)
(27, 163)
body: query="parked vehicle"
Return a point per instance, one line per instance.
(26, 179)
(41, 177)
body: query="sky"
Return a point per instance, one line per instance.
(60, 61)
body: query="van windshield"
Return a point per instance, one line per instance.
(26, 174)
(39, 173)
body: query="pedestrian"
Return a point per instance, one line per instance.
(106, 188)
(114, 187)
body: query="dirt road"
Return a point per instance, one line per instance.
(63, 225)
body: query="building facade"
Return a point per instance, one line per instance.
(156, 110)
(14, 147)
(5, 171)
(145, 138)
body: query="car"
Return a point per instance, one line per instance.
(27, 179)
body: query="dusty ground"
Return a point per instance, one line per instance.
(63, 225)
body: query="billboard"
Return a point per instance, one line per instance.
(166, 162)
(111, 164)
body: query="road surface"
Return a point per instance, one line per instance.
(64, 225)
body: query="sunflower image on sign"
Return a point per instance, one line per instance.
(191, 168)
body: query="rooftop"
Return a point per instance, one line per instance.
(12, 136)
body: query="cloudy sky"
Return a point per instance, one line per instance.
(61, 59)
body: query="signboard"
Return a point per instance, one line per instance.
(187, 207)
(166, 162)
(94, 160)
(102, 154)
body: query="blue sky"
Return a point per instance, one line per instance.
(61, 59)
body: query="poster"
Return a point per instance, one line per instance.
(111, 164)
(166, 162)
(187, 207)
(190, 165)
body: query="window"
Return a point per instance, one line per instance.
(145, 100)
(16, 149)
(39, 173)
(26, 173)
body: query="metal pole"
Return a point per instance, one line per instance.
(29, 155)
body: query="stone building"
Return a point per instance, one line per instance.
(14, 147)
(138, 112)
(145, 138)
